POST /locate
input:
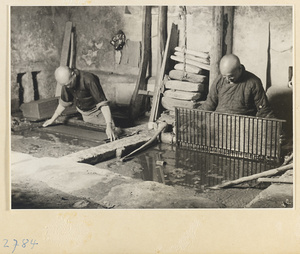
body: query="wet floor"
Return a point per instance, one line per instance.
(172, 165)
(71, 135)
(55, 141)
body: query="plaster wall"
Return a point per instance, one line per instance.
(257, 31)
(37, 35)
(36, 44)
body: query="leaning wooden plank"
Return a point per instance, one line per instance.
(190, 77)
(137, 101)
(182, 95)
(270, 172)
(274, 180)
(188, 68)
(192, 52)
(72, 51)
(288, 160)
(172, 41)
(65, 52)
(192, 62)
(170, 103)
(185, 86)
(106, 151)
(194, 58)
(150, 141)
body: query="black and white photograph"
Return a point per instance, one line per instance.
(151, 107)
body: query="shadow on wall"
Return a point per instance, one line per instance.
(281, 100)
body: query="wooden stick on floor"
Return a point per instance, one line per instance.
(254, 177)
(159, 130)
(274, 180)
(288, 160)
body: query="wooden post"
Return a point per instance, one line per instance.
(162, 35)
(65, 52)
(228, 25)
(72, 62)
(216, 51)
(137, 101)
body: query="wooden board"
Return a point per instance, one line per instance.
(191, 62)
(185, 86)
(162, 28)
(138, 101)
(182, 95)
(172, 41)
(188, 68)
(190, 77)
(72, 51)
(65, 51)
(170, 103)
(191, 57)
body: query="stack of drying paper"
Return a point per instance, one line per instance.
(187, 84)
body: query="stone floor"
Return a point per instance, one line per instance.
(41, 181)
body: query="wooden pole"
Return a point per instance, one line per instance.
(137, 101)
(65, 51)
(228, 27)
(162, 28)
(273, 180)
(216, 51)
(71, 63)
(171, 43)
(288, 160)
(150, 141)
(270, 172)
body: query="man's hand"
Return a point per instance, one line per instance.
(48, 122)
(109, 132)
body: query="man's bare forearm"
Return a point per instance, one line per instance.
(58, 112)
(107, 114)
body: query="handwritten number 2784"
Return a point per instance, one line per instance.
(24, 243)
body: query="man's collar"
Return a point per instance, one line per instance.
(241, 77)
(75, 75)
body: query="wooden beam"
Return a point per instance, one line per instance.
(137, 101)
(228, 26)
(172, 42)
(274, 180)
(162, 35)
(216, 52)
(65, 52)
(72, 62)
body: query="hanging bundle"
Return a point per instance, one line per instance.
(118, 40)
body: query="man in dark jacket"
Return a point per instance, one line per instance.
(237, 91)
(84, 90)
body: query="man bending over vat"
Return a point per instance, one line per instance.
(237, 91)
(84, 89)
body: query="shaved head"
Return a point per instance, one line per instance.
(230, 67)
(63, 75)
